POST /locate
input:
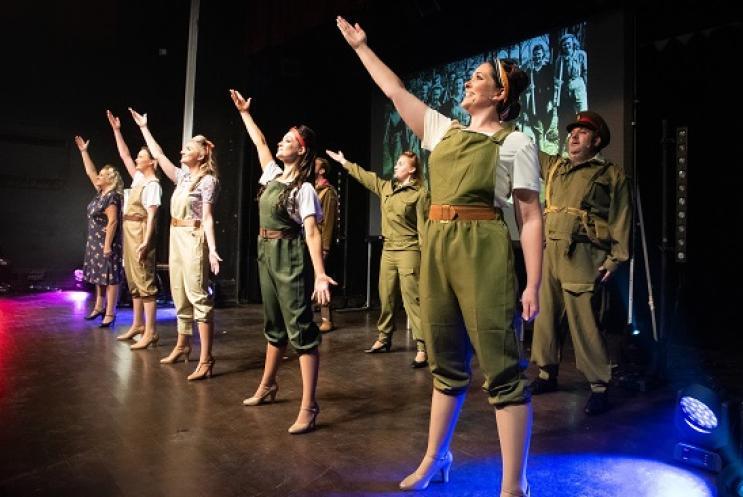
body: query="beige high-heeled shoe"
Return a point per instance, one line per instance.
(299, 428)
(262, 395)
(417, 481)
(203, 370)
(143, 343)
(176, 353)
(525, 493)
(133, 331)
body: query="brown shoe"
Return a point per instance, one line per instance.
(326, 326)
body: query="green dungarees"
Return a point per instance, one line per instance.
(468, 289)
(285, 276)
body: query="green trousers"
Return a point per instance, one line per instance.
(570, 289)
(399, 271)
(286, 288)
(467, 305)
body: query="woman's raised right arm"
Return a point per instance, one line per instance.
(256, 135)
(157, 152)
(90, 169)
(124, 153)
(411, 108)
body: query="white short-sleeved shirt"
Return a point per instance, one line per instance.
(307, 201)
(151, 194)
(518, 161)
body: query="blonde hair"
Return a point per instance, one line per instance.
(209, 164)
(111, 174)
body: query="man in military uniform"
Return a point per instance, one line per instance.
(587, 225)
(329, 201)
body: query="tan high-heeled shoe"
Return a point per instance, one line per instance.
(525, 493)
(133, 331)
(144, 343)
(299, 428)
(176, 354)
(417, 481)
(262, 395)
(203, 370)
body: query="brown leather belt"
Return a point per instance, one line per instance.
(195, 223)
(445, 212)
(134, 217)
(276, 234)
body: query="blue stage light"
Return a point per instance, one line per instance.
(698, 415)
(702, 421)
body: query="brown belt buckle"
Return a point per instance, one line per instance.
(447, 213)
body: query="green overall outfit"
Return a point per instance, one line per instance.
(468, 288)
(403, 214)
(587, 225)
(140, 274)
(285, 275)
(188, 263)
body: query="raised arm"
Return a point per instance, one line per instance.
(121, 144)
(368, 179)
(90, 169)
(411, 108)
(256, 135)
(157, 152)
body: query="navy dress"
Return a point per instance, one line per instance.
(97, 268)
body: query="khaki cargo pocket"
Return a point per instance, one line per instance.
(578, 288)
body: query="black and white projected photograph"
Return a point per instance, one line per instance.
(557, 65)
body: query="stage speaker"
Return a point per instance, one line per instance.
(682, 193)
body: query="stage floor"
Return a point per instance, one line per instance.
(82, 415)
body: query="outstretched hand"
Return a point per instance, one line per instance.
(82, 145)
(337, 156)
(240, 102)
(140, 119)
(113, 120)
(321, 293)
(354, 35)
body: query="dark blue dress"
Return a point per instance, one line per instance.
(97, 268)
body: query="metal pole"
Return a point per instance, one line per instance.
(193, 43)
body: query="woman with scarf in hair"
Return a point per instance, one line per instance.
(467, 284)
(288, 205)
(193, 247)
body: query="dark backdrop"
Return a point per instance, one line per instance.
(65, 64)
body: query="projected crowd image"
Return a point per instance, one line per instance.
(557, 65)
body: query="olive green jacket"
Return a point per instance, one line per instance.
(404, 208)
(329, 201)
(597, 195)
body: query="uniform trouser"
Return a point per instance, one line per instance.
(189, 277)
(140, 275)
(570, 288)
(467, 305)
(399, 271)
(285, 277)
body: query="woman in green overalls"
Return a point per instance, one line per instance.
(288, 205)
(140, 217)
(467, 283)
(193, 247)
(403, 205)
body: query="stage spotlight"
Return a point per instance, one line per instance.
(702, 420)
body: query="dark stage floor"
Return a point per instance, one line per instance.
(82, 415)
